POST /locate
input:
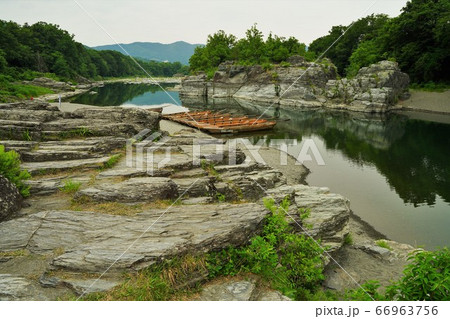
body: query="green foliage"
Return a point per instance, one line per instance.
(267, 66)
(70, 186)
(290, 262)
(26, 136)
(45, 48)
(111, 162)
(365, 54)
(367, 292)
(220, 197)
(209, 167)
(10, 169)
(362, 30)
(250, 50)
(418, 39)
(383, 244)
(169, 280)
(81, 132)
(11, 90)
(427, 277)
(348, 239)
(430, 86)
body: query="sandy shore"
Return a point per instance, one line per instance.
(438, 102)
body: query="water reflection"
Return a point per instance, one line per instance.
(115, 94)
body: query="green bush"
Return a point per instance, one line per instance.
(10, 168)
(427, 277)
(367, 292)
(290, 262)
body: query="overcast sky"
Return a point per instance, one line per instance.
(168, 21)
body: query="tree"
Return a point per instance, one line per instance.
(218, 49)
(60, 66)
(351, 36)
(3, 62)
(419, 40)
(368, 52)
(250, 50)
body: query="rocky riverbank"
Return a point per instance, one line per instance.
(92, 208)
(376, 88)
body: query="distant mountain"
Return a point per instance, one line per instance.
(179, 51)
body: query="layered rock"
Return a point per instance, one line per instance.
(10, 199)
(375, 88)
(39, 120)
(93, 241)
(304, 84)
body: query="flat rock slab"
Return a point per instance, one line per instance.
(239, 290)
(13, 288)
(36, 167)
(139, 189)
(92, 242)
(47, 186)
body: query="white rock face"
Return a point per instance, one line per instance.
(304, 84)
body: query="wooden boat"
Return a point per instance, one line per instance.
(220, 122)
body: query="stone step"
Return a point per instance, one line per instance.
(138, 189)
(43, 155)
(48, 186)
(18, 146)
(36, 168)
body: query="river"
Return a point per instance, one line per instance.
(394, 169)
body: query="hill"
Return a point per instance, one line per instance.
(179, 51)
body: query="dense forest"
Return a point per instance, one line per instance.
(252, 49)
(418, 39)
(46, 48)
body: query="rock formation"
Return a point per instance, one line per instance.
(42, 121)
(10, 199)
(304, 84)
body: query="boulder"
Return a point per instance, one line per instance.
(10, 199)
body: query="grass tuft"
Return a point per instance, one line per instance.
(111, 162)
(70, 187)
(383, 244)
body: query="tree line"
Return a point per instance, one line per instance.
(252, 49)
(418, 39)
(45, 48)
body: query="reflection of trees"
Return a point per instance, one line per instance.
(416, 165)
(114, 94)
(413, 155)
